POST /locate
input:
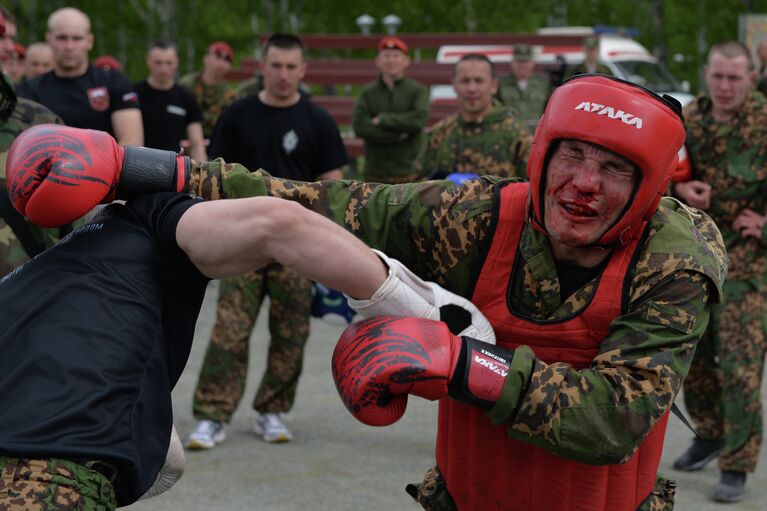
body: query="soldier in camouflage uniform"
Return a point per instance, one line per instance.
(482, 138)
(443, 232)
(523, 91)
(16, 115)
(249, 87)
(591, 62)
(389, 115)
(727, 146)
(212, 92)
(623, 328)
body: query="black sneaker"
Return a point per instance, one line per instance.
(731, 487)
(699, 454)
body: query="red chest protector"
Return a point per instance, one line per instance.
(484, 469)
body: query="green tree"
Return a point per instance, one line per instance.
(669, 28)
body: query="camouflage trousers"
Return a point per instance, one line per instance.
(432, 494)
(53, 485)
(225, 368)
(723, 390)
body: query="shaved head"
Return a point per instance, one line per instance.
(39, 59)
(69, 16)
(69, 35)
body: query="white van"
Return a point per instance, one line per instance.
(626, 58)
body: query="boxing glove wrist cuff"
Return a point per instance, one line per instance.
(146, 170)
(480, 373)
(403, 293)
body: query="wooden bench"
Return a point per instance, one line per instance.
(341, 108)
(351, 71)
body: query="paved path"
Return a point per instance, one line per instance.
(336, 463)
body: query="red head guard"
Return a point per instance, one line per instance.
(621, 117)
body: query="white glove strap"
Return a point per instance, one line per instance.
(401, 294)
(171, 471)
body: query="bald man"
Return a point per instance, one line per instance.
(84, 96)
(38, 60)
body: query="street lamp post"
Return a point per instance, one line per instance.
(365, 22)
(391, 22)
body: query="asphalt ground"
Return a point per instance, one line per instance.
(337, 463)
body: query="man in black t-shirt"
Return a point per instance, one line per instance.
(96, 331)
(84, 96)
(282, 131)
(171, 116)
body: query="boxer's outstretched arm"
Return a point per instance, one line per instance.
(232, 237)
(235, 236)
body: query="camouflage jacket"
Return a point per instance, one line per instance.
(731, 156)
(530, 103)
(438, 230)
(392, 145)
(496, 145)
(249, 87)
(27, 113)
(213, 99)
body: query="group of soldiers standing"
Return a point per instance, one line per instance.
(491, 134)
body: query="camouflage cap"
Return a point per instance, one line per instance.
(523, 52)
(591, 42)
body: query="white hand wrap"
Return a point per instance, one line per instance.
(171, 471)
(405, 294)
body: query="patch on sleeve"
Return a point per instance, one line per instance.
(672, 317)
(130, 97)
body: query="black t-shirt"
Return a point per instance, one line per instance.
(166, 114)
(573, 277)
(94, 334)
(297, 142)
(85, 101)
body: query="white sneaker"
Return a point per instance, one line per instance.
(271, 427)
(206, 436)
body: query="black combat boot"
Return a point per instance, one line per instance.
(699, 454)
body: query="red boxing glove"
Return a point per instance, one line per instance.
(379, 361)
(56, 174)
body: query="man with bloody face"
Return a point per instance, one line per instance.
(585, 276)
(597, 288)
